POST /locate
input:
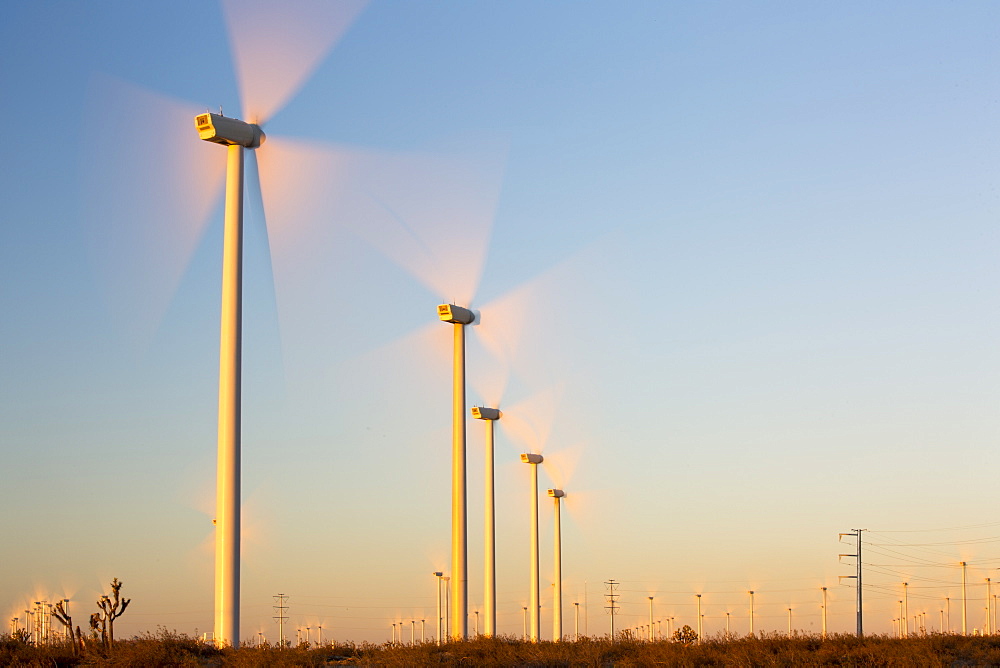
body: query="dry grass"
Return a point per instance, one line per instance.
(173, 649)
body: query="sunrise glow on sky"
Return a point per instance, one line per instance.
(735, 265)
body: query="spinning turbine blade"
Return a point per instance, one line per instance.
(414, 376)
(492, 374)
(304, 188)
(145, 210)
(529, 421)
(433, 215)
(508, 329)
(560, 465)
(262, 325)
(277, 46)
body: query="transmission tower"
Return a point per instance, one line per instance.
(279, 609)
(612, 607)
(856, 533)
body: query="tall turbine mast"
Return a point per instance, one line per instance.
(490, 415)
(534, 460)
(557, 632)
(235, 135)
(459, 317)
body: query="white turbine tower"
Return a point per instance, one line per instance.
(490, 415)
(236, 136)
(534, 460)
(557, 632)
(459, 317)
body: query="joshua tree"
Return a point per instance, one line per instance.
(98, 628)
(113, 607)
(685, 635)
(62, 615)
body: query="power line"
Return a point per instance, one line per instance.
(612, 606)
(857, 556)
(961, 528)
(280, 608)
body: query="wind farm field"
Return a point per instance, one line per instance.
(171, 649)
(330, 328)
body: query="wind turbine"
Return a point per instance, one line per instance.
(534, 460)
(236, 136)
(489, 415)
(557, 634)
(459, 317)
(239, 136)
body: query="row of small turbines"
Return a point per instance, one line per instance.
(459, 317)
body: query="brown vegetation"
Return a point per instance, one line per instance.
(172, 649)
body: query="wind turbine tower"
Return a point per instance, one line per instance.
(235, 135)
(534, 460)
(557, 633)
(459, 317)
(490, 415)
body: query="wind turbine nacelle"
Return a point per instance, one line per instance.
(557, 493)
(455, 314)
(529, 458)
(228, 131)
(483, 413)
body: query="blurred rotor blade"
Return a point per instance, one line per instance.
(492, 373)
(529, 422)
(536, 355)
(561, 464)
(304, 186)
(277, 45)
(261, 326)
(149, 186)
(432, 215)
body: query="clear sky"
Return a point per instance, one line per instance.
(736, 266)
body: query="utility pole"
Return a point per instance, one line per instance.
(856, 533)
(824, 613)
(280, 608)
(439, 575)
(700, 627)
(965, 603)
(612, 607)
(906, 611)
(989, 609)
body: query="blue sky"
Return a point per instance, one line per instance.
(738, 284)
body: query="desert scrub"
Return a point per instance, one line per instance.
(168, 648)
